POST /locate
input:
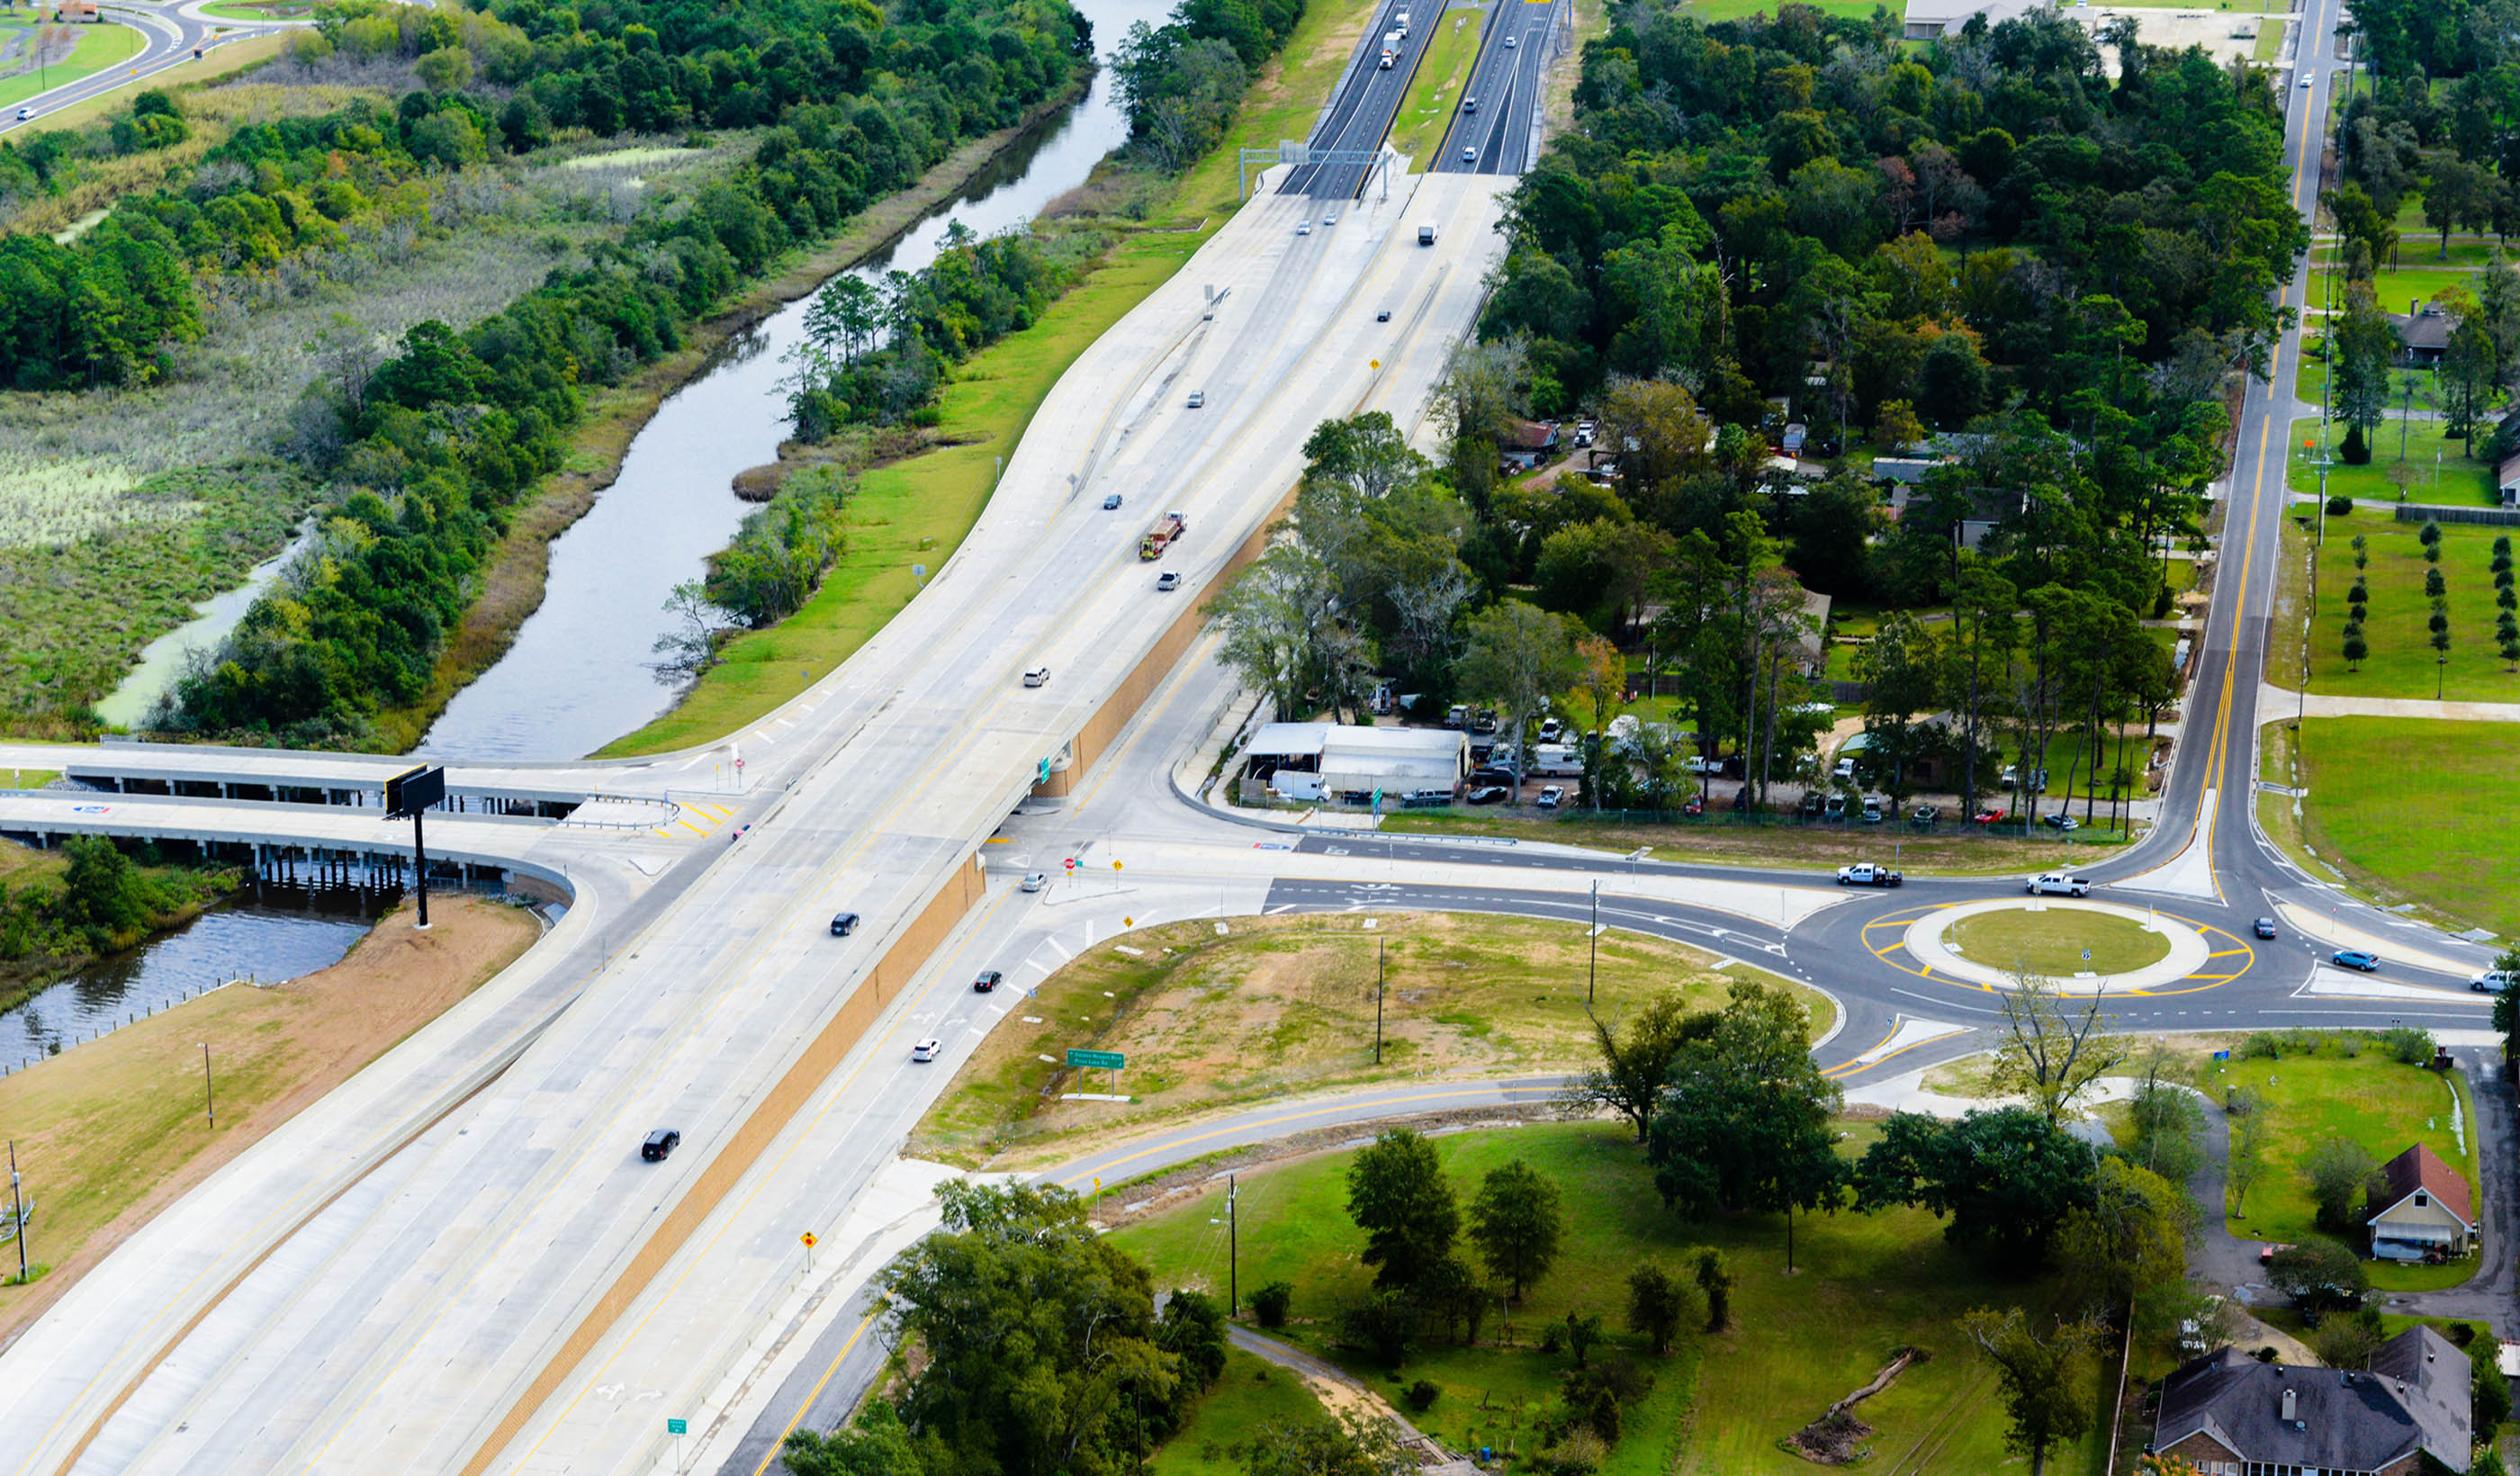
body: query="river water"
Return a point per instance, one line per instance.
(577, 676)
(237, 940)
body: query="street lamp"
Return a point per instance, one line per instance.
(1593, 970)
(210, 1102)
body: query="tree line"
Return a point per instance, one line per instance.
(1181, 82)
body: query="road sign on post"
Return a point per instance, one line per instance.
(1111, 1061)
(678, 1427)
(407, 794)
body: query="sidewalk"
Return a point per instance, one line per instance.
(2276, 704)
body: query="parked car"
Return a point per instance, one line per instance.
(927, 1050)
(2264, 927)
(1991, 814)
(845, 924)
(1834, 808)
(2060, 821)
(1039, 675)
(1552, 797)
(1697, 805)
(1110, 502)
(2492, 981)
(2355, 958)
(659, 1144)
(1843, 769)
(1485, 722)
(1169, 579)
(988, 981)
(1490, 794)
(2266, 1252)
(1036, 880)
(1925, 817)
(1872, 810)
(1552, 730)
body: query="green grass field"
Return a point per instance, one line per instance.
(99, 47)
(2396, 801)
(1250, 1397)
(2055, 942)
(263, 10)
(1451, 48)
(2419, 274)
(2401, 662)
(2437, 467)
(1282, 1006)
(917, 511)
(2371, 1100)
(1867, 1285)
(2269, 42)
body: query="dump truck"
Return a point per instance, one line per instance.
(1160, 537)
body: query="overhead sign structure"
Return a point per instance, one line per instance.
(408, 794)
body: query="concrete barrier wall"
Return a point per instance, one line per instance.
(847, 1025)
(1112, 718)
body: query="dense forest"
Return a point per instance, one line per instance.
(430, 446)
(1987, 254)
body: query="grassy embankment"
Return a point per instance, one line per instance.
(1867, 1286)
(919, 510)
(2402, 806)
(1942, 851)
(113, 1131)
(1283, 1005)
(2058, 942)
(99, 47)
(2371, 1100)
(2401, 662)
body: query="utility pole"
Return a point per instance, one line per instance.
(1593, 970)
(18, 1210)
(1378, 979)
(210, 1102)
(1233, 1251)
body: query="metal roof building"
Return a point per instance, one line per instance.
(1331, 761)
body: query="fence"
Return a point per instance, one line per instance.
(2409, 511)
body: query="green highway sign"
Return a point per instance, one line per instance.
(1108, 1060)
(677, 1427)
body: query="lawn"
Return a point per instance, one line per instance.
(2401, 662)
(919, 510)
(2269, 43)
(111, 1130)
(2419, 275)
(1419, 128)
(2436, 466)
(99, 47)
(1286, 1004)
(2426, 838)
(2059, 942)
(264, 10)
(1249, 1396)
(1867, 1285)
(2371, 1100)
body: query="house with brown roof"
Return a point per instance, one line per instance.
(2426, 1213)
(1525, 444)
(2231, 1415)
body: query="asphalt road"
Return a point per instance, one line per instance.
(1493, 129)
(174, 35)
(1360, 113)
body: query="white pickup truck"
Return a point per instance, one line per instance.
(1868, 873)
(2059, 885)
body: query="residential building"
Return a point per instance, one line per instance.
(2426, 1213)
(2232, 1416)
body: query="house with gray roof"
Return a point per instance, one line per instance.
(2232, 1416)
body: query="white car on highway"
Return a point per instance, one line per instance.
(926, 1049)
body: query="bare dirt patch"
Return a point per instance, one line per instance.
(112, 1131)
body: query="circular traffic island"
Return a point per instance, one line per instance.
(2054, 941)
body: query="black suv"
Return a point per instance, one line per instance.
(845, 924)
(659, 1144)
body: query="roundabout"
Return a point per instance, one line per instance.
(2082, 947)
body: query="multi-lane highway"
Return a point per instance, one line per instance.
(459, 1264)
(172, 36)
(1496, 129)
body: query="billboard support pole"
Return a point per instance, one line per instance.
(420, 872)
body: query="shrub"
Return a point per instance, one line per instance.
(1271, 1302)
(1421, 1396)
(2338, 505)
(2408, 1046)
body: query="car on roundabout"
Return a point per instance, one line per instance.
(2263, 927)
